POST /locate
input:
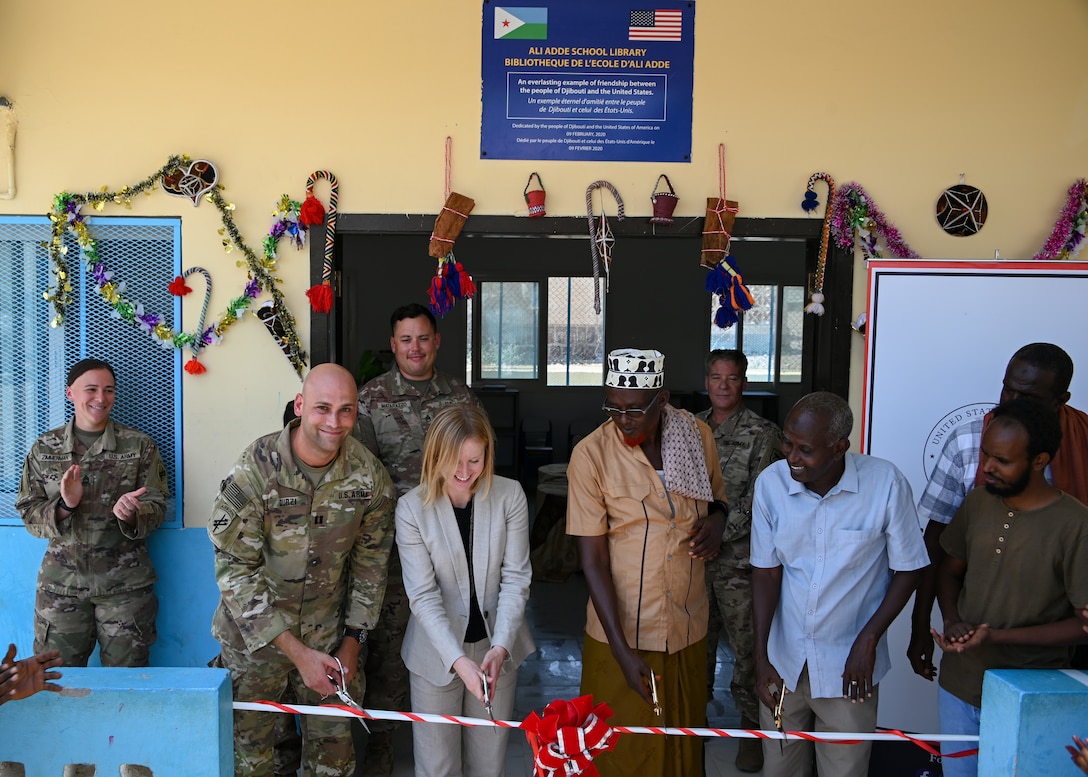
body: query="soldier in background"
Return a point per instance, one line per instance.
(95, 489)
(395, 411)
(302, 528)
(747, 444)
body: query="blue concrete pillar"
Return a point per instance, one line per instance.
(158, 722)
(1028, 717)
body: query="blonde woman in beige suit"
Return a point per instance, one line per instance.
(463, 536)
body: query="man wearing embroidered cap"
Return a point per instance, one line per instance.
(647, 505)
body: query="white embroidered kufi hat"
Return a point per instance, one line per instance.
(631, 368)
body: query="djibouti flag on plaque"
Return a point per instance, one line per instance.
(521, 23)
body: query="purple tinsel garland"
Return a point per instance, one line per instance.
(853, 209)
(1064, 238)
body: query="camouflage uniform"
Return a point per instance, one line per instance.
(96, 581)
(291, 557)
(393, 420)
(747, 444)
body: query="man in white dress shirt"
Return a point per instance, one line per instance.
(836, 546)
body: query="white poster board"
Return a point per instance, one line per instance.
(939, 336)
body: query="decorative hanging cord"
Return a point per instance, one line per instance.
(451, 281)
(720, 215)
(600, 238)
(312, 214)
(809, 204)
(449, 163)
(724, 279)
(193, 366)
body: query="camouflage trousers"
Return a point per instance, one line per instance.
(387, 687)
(122, 624)
(729, 589)
(327, 749)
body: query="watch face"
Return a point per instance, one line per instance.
(961, 210)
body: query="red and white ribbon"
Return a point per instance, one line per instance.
(924, 741)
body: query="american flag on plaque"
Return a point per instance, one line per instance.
(655, 25)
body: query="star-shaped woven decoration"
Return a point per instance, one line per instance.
(961, 210)
(605, 243)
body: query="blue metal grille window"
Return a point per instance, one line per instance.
(34, 359)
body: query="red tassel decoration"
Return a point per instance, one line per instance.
(312, 212)
(441, 297)
(320, 297)
(467, 286)
(194, 367)
(177, 287)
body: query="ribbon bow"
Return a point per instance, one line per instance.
(569, 736)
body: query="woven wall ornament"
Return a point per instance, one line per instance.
(451, 281)
(718, 224)
(724, 278)
(961, 210)
(535, 198)
(451, 219)
(191, 181)
(664, 203)
(601, 240)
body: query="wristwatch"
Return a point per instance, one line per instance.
(359, 635)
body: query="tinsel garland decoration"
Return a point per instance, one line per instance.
(856, 217)
(1067, 238)
(67, 216)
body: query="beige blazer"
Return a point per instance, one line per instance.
(436, 577)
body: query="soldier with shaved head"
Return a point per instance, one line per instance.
(302, 528)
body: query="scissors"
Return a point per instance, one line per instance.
(780, 698)
(487, 700)
(342, 691)
(653, 696)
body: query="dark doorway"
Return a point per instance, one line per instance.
(656, 299)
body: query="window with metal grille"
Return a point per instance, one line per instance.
(770, 333)
(504, 331)
(145, 254)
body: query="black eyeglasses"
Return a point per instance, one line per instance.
(634, 412)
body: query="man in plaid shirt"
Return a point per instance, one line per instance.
(1041, 371)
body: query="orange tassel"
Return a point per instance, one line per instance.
(320, 297)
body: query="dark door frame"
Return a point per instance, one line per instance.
(830, 356)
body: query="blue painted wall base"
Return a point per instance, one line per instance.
(175, 722)
(187, 592)
(1028, 717)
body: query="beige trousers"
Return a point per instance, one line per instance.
(801, 712)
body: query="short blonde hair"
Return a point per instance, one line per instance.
(442, 449)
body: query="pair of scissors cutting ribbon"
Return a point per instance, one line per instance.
(342, 691)
(653, 696)
(487, 699)
(780, 698)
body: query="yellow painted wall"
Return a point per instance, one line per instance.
(900, 97)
